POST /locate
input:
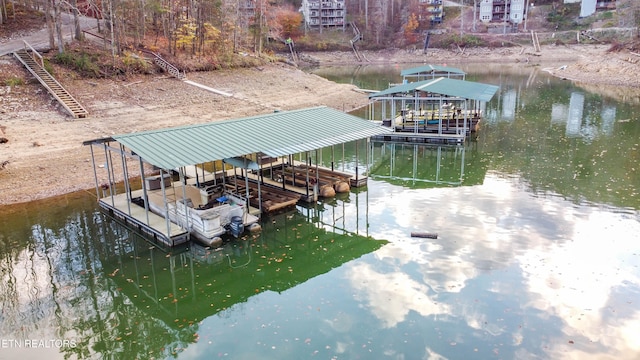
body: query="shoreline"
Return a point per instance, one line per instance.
(46, 157)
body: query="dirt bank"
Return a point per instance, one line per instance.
(589, 64)
(44, 155)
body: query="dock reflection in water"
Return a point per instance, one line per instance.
(182, 289)
(420, 165)
(111, 292)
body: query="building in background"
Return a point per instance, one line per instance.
(431, 11)
(320, 14)
(503, 11)
(589, 7)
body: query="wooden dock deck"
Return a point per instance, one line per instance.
(330, 181)
(339, 181)
(273, 198)
(277, 178)
(306, 194)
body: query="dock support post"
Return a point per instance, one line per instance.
(95, 173)
(127, 187)
(109, 177)
(357, 162)
(164, 198)
(183, 181)
(283, 187)
(215, 178)
(307, 174)
(333, 156)
(144, 189)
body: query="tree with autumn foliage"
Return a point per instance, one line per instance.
(410, 33)
(286, 23)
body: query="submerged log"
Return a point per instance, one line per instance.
(424, 235)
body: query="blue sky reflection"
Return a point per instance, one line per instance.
(567, 275)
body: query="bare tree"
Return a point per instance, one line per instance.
(48, 14)
(629, 14)
(76, 20)
(3, 11)
(378, 20)
(57, 19)
(259, 25)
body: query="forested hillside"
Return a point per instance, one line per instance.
(212, 34)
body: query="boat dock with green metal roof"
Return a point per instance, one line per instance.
(426, 72)
(441, 110)
(183, 182)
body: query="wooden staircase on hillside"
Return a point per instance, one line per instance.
(535, 41)
(168, 67)
(157, 59)
(426, 42)
(292, 47)
(357, 37)
(27, 57)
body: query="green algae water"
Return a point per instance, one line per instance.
(537, 252)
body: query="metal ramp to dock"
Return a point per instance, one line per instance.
(27, 57)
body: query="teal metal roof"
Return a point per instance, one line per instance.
(428, 69)
(400, 89)
(443, 86)
(275, 134)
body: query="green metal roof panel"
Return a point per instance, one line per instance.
(428, 69)
(461, 88)
(274, 134)
(400, 89)
(444, 86)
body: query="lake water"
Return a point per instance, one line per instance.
(537, 252)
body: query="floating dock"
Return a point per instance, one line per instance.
(183, 199)
(439, 110)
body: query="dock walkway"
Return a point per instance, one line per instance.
(157, 227)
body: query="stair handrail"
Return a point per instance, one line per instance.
(292, 48)
(33, 51)
(357, 35)
(167, 66)
(34, 68)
